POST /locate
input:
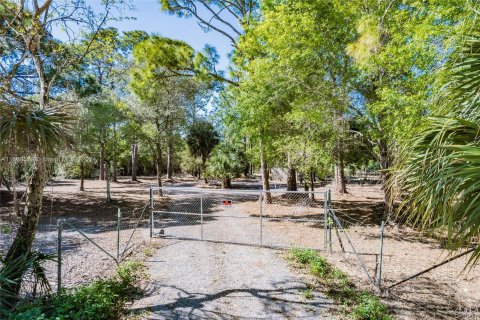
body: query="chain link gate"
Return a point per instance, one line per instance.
(252, 217)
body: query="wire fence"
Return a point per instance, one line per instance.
(352, 237)
(251, 217)
(82, 251)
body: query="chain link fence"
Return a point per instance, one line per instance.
(251, 217)
(81, 251)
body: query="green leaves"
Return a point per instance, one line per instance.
(25, 130)
(440, 179)
(202, 139)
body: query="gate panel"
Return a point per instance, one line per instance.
(277, 218)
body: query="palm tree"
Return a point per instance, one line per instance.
(35, 134)
(225, 163)
(439, 175)
(201, 140)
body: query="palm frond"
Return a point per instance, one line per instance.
(438, 174)
(25, 130)
(27, 266)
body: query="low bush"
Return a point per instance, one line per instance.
(100, 300)
(356, 304)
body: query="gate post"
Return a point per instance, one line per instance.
(261, 216)
(379, 269)
(151, 212)
(59, 254)
(201, 215)
(330, 220)
(325, 224)
(119, 222)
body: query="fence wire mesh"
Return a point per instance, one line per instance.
(89, 250)
(277, 218)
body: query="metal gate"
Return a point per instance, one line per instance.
(253, 217)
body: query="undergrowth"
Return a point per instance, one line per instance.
(101, 300)
(354, 303)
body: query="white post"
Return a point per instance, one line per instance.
(201, 216)
(379, 269)
(261, 217)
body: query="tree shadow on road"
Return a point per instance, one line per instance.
(284, 300)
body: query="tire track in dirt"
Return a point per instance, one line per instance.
(212, 280)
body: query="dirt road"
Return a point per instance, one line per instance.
(192, 279)
(206, 280)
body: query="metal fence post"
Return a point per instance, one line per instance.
(329, 200)
(151, 197)
(201, 216)
(329, 232)
(59, 254)
(261, 217)
(119, 221)
(151, 212)
(379, 269)
(325, 205)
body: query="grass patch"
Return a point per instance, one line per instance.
(308, 294)
(148, 252)
(356, 304)
(101, 300)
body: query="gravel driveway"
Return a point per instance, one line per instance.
(213, 280)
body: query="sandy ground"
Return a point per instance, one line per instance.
(206, 280)
(444, 293)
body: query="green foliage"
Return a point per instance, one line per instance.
(201, 139)
(226, 161)
(25, 130)
(369, 308)
(438, 170)
(103, 299)
(11, 272)
(356, 304)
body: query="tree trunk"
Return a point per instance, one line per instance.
(226, 183)
(107, 178)
(22, 244)
(246, 169)
(339, 154)
(384, 160)
(134, 161)
(265, 176)
(159, 172)
(114, 160)
(114, 171)
(204, 169)
(292, 176)
(312, 184)
(339, 178)
(339, 168)
(170, 159)
(102, 161)
(82, 175)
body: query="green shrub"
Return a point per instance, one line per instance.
(370, 308)
(100, 300)
(303, 256)
(359, 305)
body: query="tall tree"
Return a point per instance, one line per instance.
(436, 174)
(399, 49)
(30, 76)
(228, 18)
(201, 140)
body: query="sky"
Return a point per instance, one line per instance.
(150, 19)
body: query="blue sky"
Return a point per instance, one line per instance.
(149, 18)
